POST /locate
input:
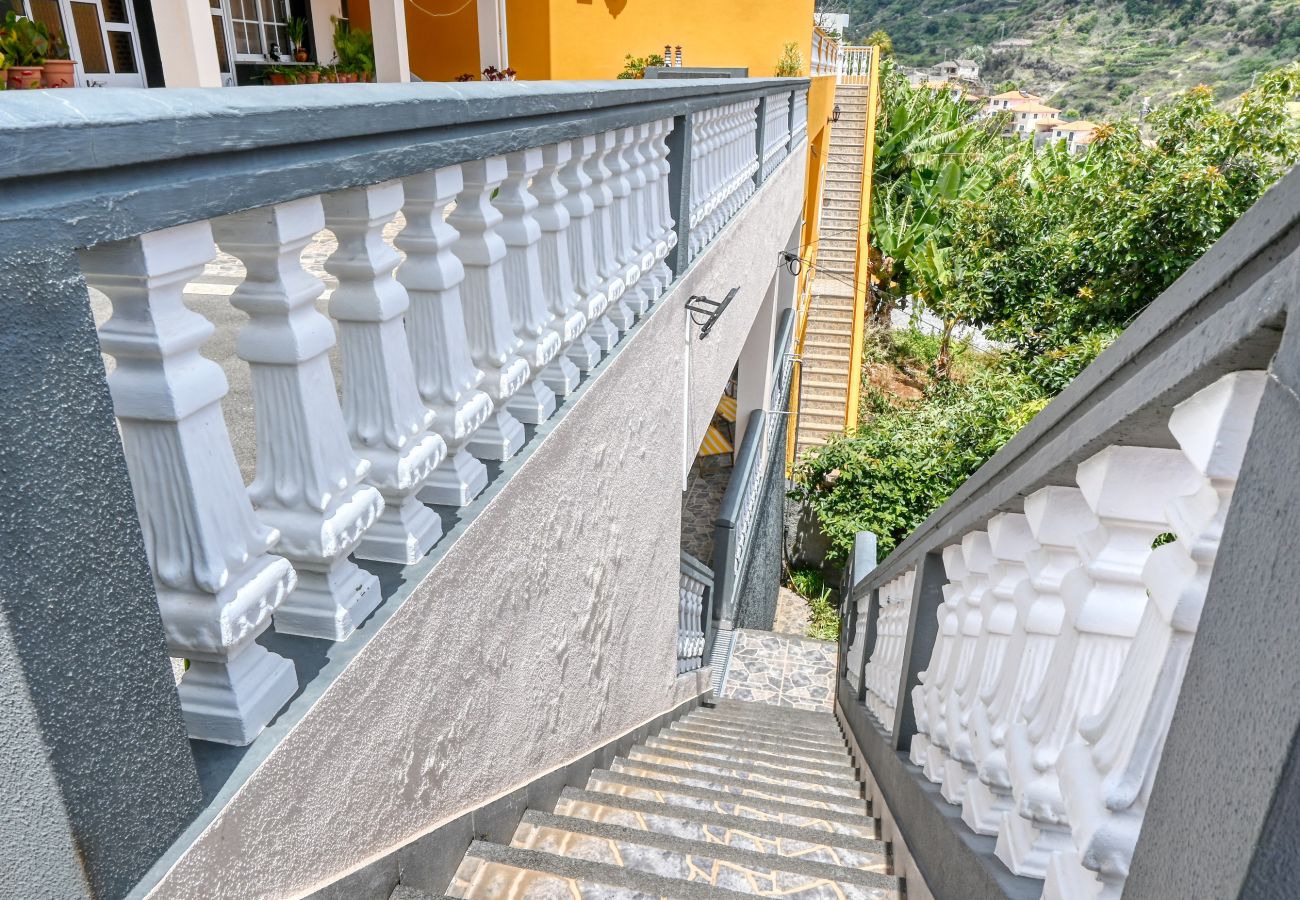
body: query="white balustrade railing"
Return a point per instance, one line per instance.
(1062, 642)
(825, 54)
(855, 65)
(885, 667)
(468, 301)
(776, 131)
(723, 164)
(691, 616)
(509, 278)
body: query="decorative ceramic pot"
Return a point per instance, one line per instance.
(59, 73)
(23, 78)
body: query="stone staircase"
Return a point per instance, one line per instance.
(824, 380)
(741, 799)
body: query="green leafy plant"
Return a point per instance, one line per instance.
(635, 66)
(790, 65)
(23, 41)
(823, 617)
(297, 28)
(354, 47)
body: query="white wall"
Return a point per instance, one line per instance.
(547, 630)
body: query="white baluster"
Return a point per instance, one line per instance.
(1056, 517)
(558, 278)
(388, 423)
(663, 227)
(593, 301)
(217, 586)
(530, 317)
(606, 328)
(492, 340)
(642, 241)
(945, 674)
(978, 558)
(444, 372)
(931, 680)
(622, 185)
(1127, 489)
(310, 483)
(1108, 770)
(1011, 541)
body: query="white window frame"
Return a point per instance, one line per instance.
(100, 79)
(228, 20)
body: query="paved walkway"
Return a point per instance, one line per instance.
(781, 670)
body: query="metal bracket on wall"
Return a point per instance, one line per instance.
(711, 310)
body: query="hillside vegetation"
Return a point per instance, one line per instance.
(1094, 59)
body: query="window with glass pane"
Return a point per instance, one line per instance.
(219, 32)
(90, 39)
(257, 25)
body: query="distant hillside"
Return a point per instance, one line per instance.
(1093, 58)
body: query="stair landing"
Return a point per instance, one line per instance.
(781, 670)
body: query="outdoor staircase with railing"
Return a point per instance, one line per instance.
(741, 799)
(827, 343)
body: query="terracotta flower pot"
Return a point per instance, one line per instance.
(313, 78)
(347, 78)
(277, 78)
(301, 54)
(59, 73)
(331, 77)
(23, 78)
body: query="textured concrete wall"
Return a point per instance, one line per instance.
(761, 580)
(545, 631)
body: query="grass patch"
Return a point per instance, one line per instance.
(823, 617)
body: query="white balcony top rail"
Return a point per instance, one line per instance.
(825, 54)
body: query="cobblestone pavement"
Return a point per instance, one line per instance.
(782, 670)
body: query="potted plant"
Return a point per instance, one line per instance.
(59, 70)
(26, 44)
(277, 75)
(355, 50)
(311, 74)
(297, 29)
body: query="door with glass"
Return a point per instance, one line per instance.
(100, 34)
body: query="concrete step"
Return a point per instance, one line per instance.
(808, 729)
(686, 861)
(837, 783)
(831, 338)
(814, 749)
(769, 837)
(497, 872)
(694, 797)
(773, 754)
(743, 787)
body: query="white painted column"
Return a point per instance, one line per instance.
(940, 676)
(754, 367)
(445, 374)
(217, 585)
(388, 28)
(387, 421)
(493, 43)
(187, 44)
(493, 344)
(310, 484)
(322, 29)
(530, 317)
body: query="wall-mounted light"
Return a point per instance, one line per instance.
(835, 113)
(711, 310)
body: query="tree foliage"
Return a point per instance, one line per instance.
(1050, 254)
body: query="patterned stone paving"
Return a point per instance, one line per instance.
(700, 506)
(781, 669)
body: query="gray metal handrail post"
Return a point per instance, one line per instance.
(680, 144)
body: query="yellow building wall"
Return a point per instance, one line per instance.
(590, 38)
